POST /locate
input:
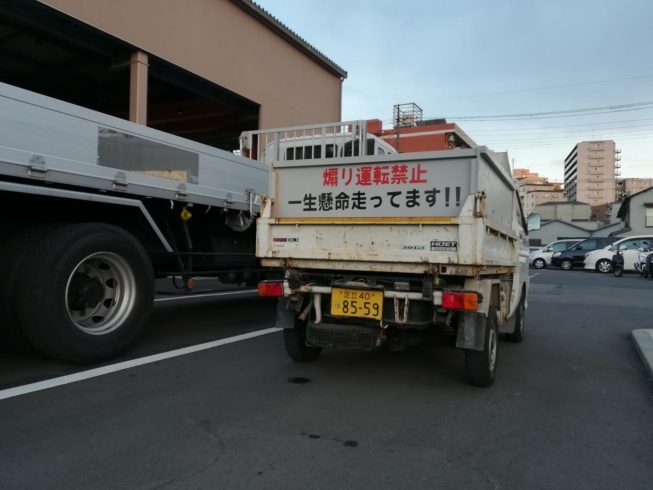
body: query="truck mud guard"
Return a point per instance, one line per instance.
(471, 330)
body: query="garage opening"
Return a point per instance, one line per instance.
(53, 54)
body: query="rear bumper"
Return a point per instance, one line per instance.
(413, 296)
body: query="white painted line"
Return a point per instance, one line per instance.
(207, 295)
(537, 274)
(120, 366)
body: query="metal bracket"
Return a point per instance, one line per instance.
(229, 199)
(36, 167)
(398, 318)
(120, 181)
(182, 192)
(251, 195)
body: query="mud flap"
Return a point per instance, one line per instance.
(471, 331)
(509, 325)
(285, 317)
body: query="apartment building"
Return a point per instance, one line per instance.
(590, 172)
(533, 195)
(535, 189)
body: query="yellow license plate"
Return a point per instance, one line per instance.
(359, 303)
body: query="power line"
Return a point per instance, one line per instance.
(567, 126)
(536, 89)
(586, 130)
(617, 135)
(605, 135)
(543, 115)
(564, 143)
(632, 106)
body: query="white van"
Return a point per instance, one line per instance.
(542, 257)
(601, 260)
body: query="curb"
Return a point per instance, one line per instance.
(643, 340)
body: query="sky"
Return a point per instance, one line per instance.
(461, 58)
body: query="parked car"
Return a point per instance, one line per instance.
(575, 255)
(600, 260)
(541, 257)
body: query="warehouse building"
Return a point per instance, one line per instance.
(201, 69)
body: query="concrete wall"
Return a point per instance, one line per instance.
(220, 42)
(564, 211)
(543, 194)
(633, 185)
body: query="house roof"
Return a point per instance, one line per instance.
(625, 204)
(565, 223)
(270, 21)
(580, 227)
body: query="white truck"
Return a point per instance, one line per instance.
(396, 250)
(95, 208)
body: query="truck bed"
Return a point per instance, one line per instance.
(446, 212)
(44, 139)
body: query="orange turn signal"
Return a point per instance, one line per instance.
(460, 301)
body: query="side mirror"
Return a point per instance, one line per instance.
(533, 222)
(622, 247)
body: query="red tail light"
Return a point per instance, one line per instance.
(460, 301)
(270, 289)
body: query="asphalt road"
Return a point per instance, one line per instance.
(572, 407)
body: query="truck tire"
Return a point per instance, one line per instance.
(481, 366)
(84, 292)
(294, 339)
(518, 335)
(16, 243)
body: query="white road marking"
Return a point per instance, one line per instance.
(191, 296)
(537, 274)
(120, 366)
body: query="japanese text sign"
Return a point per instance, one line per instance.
(419, 189)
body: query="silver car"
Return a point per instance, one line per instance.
(542, 257)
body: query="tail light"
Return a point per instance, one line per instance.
(460, 301)
(270, 289)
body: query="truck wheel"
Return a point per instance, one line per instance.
(481, 366)
(17, 242)
(84, 292)
(518, 335)
(294, 339)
